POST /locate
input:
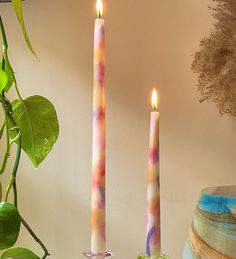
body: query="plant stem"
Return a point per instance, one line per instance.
(5, 54)
(17, 161)
(15, 193)
(7, 151)
(9, 187)
(14, 173)
(3, 33)
(35, 238)
(8, 147)
(12, 182)
(5, 61)
(2, 130)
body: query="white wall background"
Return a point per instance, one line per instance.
(147, 42)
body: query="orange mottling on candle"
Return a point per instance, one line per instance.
(152, 178)
(154, 206)
(97, 218)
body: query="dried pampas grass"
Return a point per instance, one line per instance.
(215, 62)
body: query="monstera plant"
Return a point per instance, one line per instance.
(30, 125)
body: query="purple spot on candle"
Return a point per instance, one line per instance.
(101, 34)
(103, 194)
(101, 74)
(99, 113)
(103, 31)
(99, 37)
(153, 156)
(149, 237)
(101, 202)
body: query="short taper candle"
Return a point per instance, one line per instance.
(153, 238)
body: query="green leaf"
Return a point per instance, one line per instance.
(9, 74)
(0, 191)
(9, 225)
(3, 80)
(19, 253)
(37, 120)
(17, 4)
(10, 79)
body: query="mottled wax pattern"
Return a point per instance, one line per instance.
(98, 239)
(213, 231)
(153, 239)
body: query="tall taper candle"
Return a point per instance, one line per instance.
(153, 239)
(98, 231)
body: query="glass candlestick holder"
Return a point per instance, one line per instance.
(143, 256)
(91, 255)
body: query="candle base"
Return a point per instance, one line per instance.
(143, 256)
(91, 255)
(6, 1)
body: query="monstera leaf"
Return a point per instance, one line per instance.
(9, 225)
(19, 253)
(37, 120)
(17, 4)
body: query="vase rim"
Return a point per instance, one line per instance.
(223, 191)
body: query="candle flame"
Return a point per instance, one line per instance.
(99, 8)
(154, 99)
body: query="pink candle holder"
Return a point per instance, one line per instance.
(91, 255)
(7, 1)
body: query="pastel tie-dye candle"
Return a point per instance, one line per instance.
(213, 231)
(98, 238)
(153, 238)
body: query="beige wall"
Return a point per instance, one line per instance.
(147, 42)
